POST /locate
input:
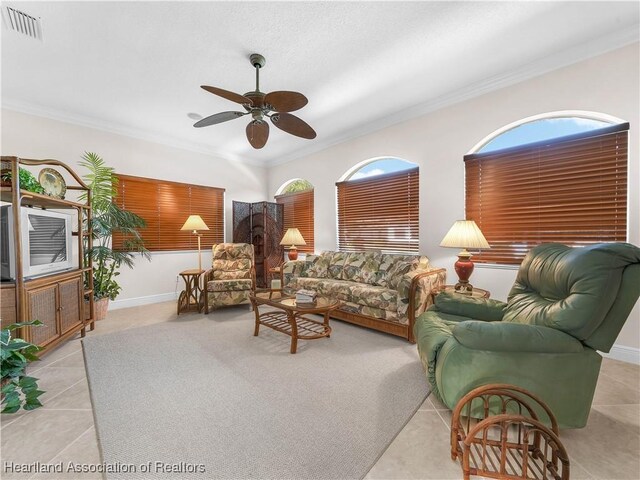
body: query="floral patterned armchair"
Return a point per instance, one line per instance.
(232, 277)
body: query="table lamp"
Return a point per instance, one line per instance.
(464, 234)
(293, 237)
(195, 223)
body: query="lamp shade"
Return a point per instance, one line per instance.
(293, 237)
(194, 222)
(465, 234)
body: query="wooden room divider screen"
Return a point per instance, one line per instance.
(261, 224)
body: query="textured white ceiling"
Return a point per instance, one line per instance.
(136, 67)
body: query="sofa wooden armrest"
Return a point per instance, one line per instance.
(439, 276)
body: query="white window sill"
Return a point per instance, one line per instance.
(496, 266)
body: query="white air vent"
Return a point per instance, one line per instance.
(22, 22)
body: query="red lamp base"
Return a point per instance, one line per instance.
(293, 253)
(464, 269)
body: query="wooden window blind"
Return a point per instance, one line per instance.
(298, 213)
(571, 190)
(165, 206)
(379, 213)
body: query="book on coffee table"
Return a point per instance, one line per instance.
(305, 296)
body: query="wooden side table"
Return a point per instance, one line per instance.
(191, 297)
(276, 274)
(476, 293)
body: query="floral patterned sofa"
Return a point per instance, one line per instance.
(385, 292)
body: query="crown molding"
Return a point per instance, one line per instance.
(139, 134)
(578, 53)
(547, 64)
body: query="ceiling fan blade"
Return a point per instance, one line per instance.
(218, 118)
(284, 101)
(258, 133)
(293, 125)
(234, 97)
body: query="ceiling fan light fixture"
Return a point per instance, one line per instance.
(274, 105)
(257, 133)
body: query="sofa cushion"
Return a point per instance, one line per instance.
(362, 267)
(318, 285)
(338, 289)
(374, 296)
(389, 268)
(231, 264)
(231, 269)
(229, 285)
(229, 251)
(348, 291)
(353, 264)
(308, 262)
(231, 275)
(320, 265)
(336, 266)
(228, 297)
(386, 262)
(397, 271)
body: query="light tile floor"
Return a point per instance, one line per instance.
(63, 431)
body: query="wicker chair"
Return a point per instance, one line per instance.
(232, 277)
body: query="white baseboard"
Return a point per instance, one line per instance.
(624, 354)
(137, 301)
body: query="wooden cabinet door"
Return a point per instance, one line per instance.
(42, 305)
(70, 308)
(8, 305)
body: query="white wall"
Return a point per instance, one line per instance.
(438, 141)
(35, 137)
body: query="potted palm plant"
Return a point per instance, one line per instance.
(107, 218)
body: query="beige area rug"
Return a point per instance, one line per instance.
(201, 397)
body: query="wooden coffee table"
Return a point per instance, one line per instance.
(290, 318)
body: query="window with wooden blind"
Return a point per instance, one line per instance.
(571, 190)
(165, 206)
(379, 213)
(298, 213)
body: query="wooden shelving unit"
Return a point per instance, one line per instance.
(62, 301)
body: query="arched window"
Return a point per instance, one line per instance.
(557, 179)
(297, 197)
(542, 129)
(378, 207)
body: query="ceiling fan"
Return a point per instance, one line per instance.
(275, 106)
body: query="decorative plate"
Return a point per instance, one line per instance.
(52, 183)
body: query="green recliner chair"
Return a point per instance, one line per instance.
(566, 303)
